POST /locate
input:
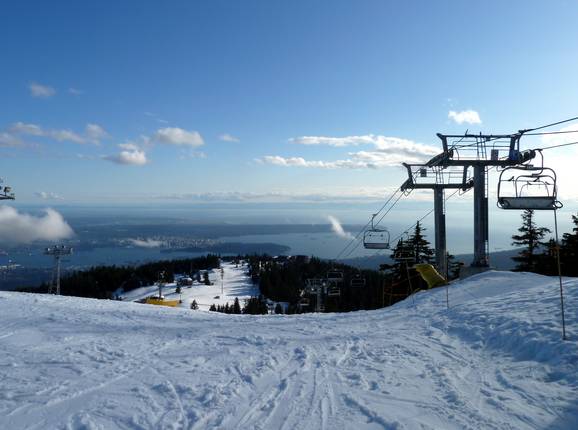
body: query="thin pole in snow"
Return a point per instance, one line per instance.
(560, 276)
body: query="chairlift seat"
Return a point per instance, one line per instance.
(358, 282)
(334, 292)
(335, 275)
(528, 202)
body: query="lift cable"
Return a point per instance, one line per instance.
(544, 133)
(358, 235)
(557, 146)
(406, 231)
(549, 125)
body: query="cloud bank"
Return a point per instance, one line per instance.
(387, 151)
(20, 228)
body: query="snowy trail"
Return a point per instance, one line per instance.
(234, 283)
(492, 361)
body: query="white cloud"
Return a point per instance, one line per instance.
(338, 228)
(226, 137)
(41, 91)
(65, 136)
(146, 243)
(466, 116)
(23, 128)
(131, 155)
(20, 228)
(387, 151)
(357, 160)
(93, 133)
(335, 141)
(178, 136)
(48, 195)
(7, 139)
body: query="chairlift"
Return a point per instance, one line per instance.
(357, 281)
(334, 291)
(528, 187)
(375, 238)
(335, 276)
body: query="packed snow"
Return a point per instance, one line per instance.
(227, 284)
(494, 360)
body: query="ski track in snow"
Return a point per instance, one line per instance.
(494, 360)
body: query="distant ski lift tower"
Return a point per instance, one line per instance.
(57, 251)
(480, 151)
(437, 179)
(6, 192)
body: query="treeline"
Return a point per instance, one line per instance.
(541, 256)
(253, 306)
(284, 280)
(101, 282)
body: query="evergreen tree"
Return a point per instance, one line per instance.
(213, 308)
(420, 247)
(454, 267)
(530, 237)
(194, 305)
(278, 309)
(206, 279)
(569, 250)
(236, 306)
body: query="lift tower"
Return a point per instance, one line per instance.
(481, 152)
(437, 179)
(6, 192)
(57, 251)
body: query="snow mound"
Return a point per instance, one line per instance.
(494, 360)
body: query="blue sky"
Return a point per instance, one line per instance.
(156, 103)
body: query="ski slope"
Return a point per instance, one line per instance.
(494, 360)
(235, 283)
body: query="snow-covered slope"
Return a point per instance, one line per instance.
(494, 360)
(234, 283)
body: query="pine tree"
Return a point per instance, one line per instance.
(422, 252)
(454, 267)
(278, 309)
(195, 306)
(569, 250)
(530, 237)
(236, 306)
(213, 308)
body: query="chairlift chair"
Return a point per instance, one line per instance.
(528, 187)
(304, 302)
(335, 275)
(375, 238)
(357, 282)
